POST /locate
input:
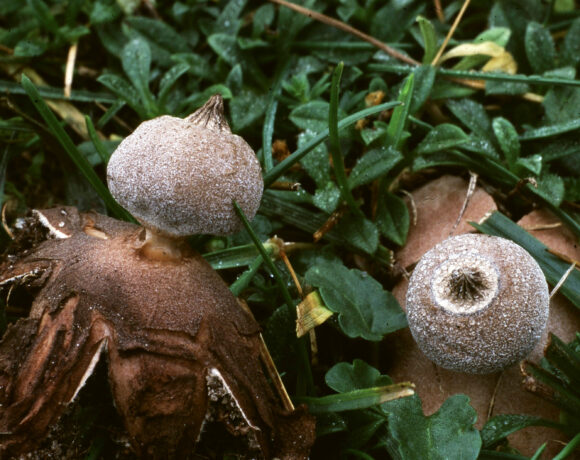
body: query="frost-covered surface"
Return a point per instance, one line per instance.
(180, 177)
(503, 323)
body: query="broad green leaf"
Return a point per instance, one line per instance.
(372, 165)
(562, 104)
(364, 308)
(225, 47)
(393, 20)
(472, 115)
(572, 185)
(327, 197)
(316, 162)
(442, 137)
(527, 166)
(570, 51)
(262, 18)
(393, 218)
(43, 15)
(540, 48)
(424, 78)
(169, 79)
(507, 138)
(246, 108)
(160, 33)
(500, 426)
(447, 434)
(344, 377)
(369, 135)
(551, 187)
(229, 22)
(312, 116)
(136, 59)
(429, 39)
(30, 47)
(122, 89)
(359, 232)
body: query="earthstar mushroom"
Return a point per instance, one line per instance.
(182, 353)
(477, 303)
(179, 176)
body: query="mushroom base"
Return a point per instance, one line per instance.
(165, 325)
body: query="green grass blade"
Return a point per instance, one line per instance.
(271, 176)
(335, 150)
(553, 267)
(402, 69)
(66, 142)
(49, 92)
(357, 399)
(245, 278)
(270, 115)
(300, 345)
(570, 447)
(401, 113)
(94, 137)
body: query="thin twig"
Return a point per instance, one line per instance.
(70, 69)
(439, 11)
(562, 280)
(346, 28)
(450, 33)
(468, 195)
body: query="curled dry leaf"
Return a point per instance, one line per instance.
(181, 351)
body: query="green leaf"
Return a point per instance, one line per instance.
(316, 162)
(442, 137)
(449, 433)
(30, 48)
(551, 187)
(229, 22)
(393, 218)
(357, 399)
(296, 156)
(570, 51)
(424, 78)
(344, 377)
(401, 113)
(169, 79)
(508, 140)
(160, 33)
(472, 115)
(246, 108)
(372, 165)
(540, 48)
(136, 59)
(327, 197)
(226, 47)
(500, 426)
(43, 15)
(532, 165)
(553, 130)
(364, 308)
(429, 39)
(359, 232)
(122, 89)
(311, 117)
